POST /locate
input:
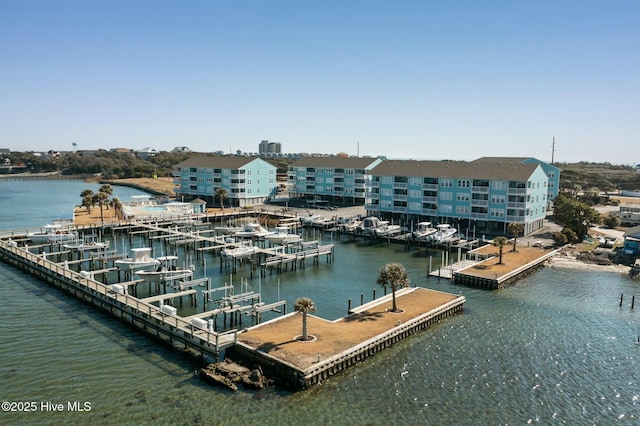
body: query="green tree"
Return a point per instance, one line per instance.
(100, 199)
(394, 275)
(107, 190)
(221, 193)
(116, 204)
(87, 199)
(611, 221)
(500, 242)
(515, 229)
(575, 215)
(304, 305)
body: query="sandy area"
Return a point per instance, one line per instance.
(567, 259)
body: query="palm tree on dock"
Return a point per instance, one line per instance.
(87, 199)
(304, 305)
(108, 191)
(221, 193)
(500, 242)
(396, 276)
(515, 229)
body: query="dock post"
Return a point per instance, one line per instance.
(621, 296)
(349, 306)
(633, 301)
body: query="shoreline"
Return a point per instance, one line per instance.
(569, 260)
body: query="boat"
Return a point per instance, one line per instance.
(386, 229)
(166, 271)
(609, 242)
(87, 243)
(314, 220)
(350, 225)
(238, 251)
(229, 229)
(444, 232)
(282, 236)
(369, 225)
(51, 234)
(252, 230)
(423, 231)
(140, 258)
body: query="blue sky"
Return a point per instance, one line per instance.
(406, 79)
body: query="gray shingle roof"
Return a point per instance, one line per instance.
(225, 162)
(455, 169)
(339, 162)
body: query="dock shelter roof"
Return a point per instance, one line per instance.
(455, 169)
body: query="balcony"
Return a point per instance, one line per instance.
(400, 185)
(519, 219)
(521, 205)
(399, 198)
(482, 216)
(480, 189)
(430, 186)
(517, 191)
(429, 199)
(480, 203)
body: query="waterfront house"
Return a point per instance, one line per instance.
(632, 241)
(246, 180)
(334, 179)
(476, 197)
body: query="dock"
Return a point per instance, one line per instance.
(337, 345)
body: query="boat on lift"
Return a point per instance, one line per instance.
(87, 243)
(239, 251)
(443, 234)
(140, 258)
(51, 234)
(423, 231)
(166, 271)
(282, 236)
(252, 230)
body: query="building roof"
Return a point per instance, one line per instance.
(225, 162)
(455, 169)
(632, 232)
(339, 162)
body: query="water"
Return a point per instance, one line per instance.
(554, 349)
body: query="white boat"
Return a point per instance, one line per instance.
(444, 233)
(252, 230)
(386, 229)
(140, 258)
(282, 236)
(167, 271)
(87, 243)
(351, 225)
(239, 251)
(51, 234)
(369, 225)
(229, 229)
(313, 220)
(423, 231)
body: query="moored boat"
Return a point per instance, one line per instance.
(51, 234)
(87, 243)
(423, 231)
(167, 271)
(444, 233)
(282, 236)
(252, 230)
(140, 258)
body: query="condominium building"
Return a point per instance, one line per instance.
(482, 196)
(335, 179)
(246, 180)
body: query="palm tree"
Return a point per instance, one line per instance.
(395, 275)
(107, 190)
(304, 305)
(87, 199)
(116, 204)
(221, 193)
(515, 228)
(500, 242)
(100, 199)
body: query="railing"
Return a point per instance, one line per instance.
(480, 189)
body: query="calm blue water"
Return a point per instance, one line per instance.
(554, 349)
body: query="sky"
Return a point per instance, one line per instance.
(404, 79)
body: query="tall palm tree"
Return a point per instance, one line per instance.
(100, 199)
(116, 204)
(222, 194)
(87, 199)
(515, 228)
(395, 275)
(304, 305)
(107, 190)
(500, 242)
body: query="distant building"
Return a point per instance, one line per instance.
(146, 153)
(181, 149)
(246, 180)
(266, 147)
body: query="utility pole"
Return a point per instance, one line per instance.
(553, 149)
(358, 150)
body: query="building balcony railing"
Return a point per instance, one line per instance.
(399, 185)
(511, 218)
(513, 205)
(480, 189)
(517, 191)
(430, 199)
(399, 198)
(430, 186)
(374, 184)
(480, 203)
(483, 216)
(430, 212)
(372, 207)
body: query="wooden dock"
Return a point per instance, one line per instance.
(336, 345)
